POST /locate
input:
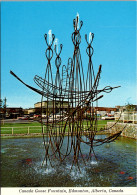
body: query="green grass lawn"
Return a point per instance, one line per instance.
(20, 124)
(35, 127)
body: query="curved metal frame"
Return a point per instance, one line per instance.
(71, 88)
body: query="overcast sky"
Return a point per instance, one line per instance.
(23, 25)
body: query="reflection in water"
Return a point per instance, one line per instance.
(22, 165)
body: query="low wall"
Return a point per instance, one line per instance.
(128, 129)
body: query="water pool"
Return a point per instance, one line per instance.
(21, 161)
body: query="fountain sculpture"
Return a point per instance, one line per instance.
(70, 99)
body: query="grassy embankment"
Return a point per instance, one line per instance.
(35, 127)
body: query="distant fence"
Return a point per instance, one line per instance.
(30, 129)
(126, 116)
(21, 130)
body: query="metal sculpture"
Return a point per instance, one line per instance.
(77, 119)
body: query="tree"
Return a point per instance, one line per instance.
(1, 103)
(3, 106)
(130, 107)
